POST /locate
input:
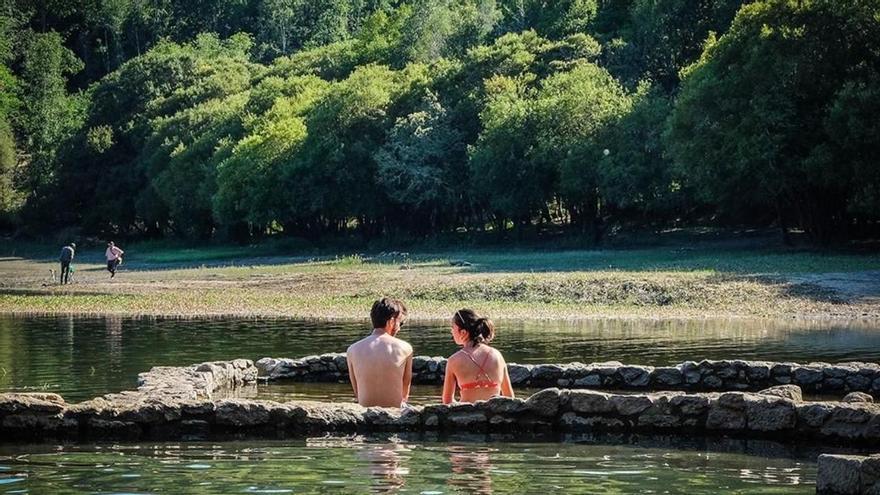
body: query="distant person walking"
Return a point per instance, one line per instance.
(67, 253)
(114, 258)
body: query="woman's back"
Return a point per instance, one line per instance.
(478, 372)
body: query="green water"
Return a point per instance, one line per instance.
(84, 357)
(395, 465)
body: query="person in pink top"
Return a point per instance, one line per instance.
(114, 258)
(478, 370)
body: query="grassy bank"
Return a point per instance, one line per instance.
(684, 281)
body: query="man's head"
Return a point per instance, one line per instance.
(388, 313)
(73, 245)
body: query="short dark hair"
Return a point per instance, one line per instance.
(384, 309)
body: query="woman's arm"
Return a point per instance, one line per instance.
(506, 387)
(448, 384)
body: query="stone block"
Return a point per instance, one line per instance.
(839, 474)
(690, 405)
(519, 373)
(629, 405)
(590, 402)
(544, 403)
(790, 392)
(770, 413)
(666, 376)
(854, 397)
(635, 376)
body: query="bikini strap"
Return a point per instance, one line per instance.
(480, 366)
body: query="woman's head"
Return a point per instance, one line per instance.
(468, 326)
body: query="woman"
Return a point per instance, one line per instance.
(479, 370)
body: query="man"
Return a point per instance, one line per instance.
(66, 258)
(380, 365)
(114, 258)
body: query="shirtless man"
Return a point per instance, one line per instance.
(380, 365)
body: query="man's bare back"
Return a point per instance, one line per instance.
(380, 365)
(382, 370)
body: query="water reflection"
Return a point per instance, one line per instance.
(406, 464)
(386, 465)
(471, 469)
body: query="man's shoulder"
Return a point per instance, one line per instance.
(403, 344)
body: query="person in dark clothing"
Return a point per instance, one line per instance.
(67, 253)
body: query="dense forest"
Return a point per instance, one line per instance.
(240, 119)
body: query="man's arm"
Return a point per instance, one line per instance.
(351, 377)
(407, 376)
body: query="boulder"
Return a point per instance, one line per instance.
(690, 405)
(857, 397)
(589, 402)
(635, 376)
(242, 412)
(767, 413)
(790, 392)
(519, 373)
(870, 475)
(544, 403)
(667, 376)
(547, 373)
(504, 405)
(727, 412)
(807, 375)
(629, 405)
(839, 474)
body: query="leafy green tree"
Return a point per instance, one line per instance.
(573, 109)
(513, 184)
(127, 108)
(50, 114)
(552, 20)
(10, 196)
(750, 129)
(423, 167)
(250, 180)
(635, 178)
(666, 36)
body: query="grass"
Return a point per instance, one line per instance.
(686, 281)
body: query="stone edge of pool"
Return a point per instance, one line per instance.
(182, 403)
(707, 376)
(186, 402)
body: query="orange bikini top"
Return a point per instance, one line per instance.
(483, 378)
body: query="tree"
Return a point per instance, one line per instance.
(50, 114)
(512, 184)
(750, 129)
(552, 20)
(250, 185)
(423, 168)
(574, 108)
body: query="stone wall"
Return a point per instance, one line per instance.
(182, 408)
(156, 405)
(690, 376)
(848, 474)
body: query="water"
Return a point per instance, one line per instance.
(395, 465)
(84, 357)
